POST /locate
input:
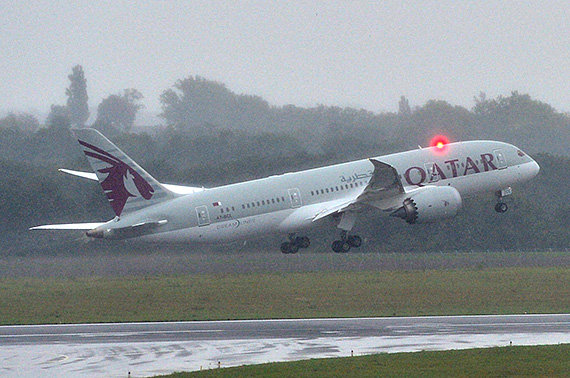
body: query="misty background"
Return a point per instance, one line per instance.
(211, 93)
(358, 54)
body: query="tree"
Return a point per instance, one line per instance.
(200, 105)
(77, 97)
(118, 112)
(404, 107)
(58, 117)
(196, 104)
(22, 122)
(440, 117)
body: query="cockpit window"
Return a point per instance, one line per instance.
(520, 153)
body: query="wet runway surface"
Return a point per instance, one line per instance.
(146, 349)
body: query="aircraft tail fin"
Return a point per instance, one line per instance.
(127, 186)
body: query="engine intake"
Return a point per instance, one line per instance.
(429, 205)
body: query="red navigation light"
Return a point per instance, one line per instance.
(440, 143)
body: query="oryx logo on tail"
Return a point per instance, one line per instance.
(122, 181)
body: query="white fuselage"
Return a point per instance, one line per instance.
(289, 202)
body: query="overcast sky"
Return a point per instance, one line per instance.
(363, 54)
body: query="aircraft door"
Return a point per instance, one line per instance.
(501, 159)
(432, 174)
(203, 215)
(295, 197)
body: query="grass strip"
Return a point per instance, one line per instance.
(533, 362)
(284, 295)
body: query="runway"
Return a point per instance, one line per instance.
(146, 349)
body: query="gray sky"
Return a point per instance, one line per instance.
(363, 54)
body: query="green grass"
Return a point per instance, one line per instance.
(284, 295)
(532, 362)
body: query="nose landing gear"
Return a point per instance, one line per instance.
(502, 207)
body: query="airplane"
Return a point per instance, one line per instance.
(418, 186)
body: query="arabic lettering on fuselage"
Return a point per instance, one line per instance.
(356, 176)
(417, 175)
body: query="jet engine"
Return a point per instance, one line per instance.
(430, 204)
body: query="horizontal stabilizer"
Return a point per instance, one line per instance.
(178, 189)
(71, 226)
(133, 231)
(181, 189)
(87, 175)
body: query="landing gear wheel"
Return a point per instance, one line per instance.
(303, 242)
(354, 241)
(501, 207)
(288, 247)
(340, 246)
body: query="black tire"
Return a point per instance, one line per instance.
(303, 242)
(293, 248)
(501, 207)
(285, 247)
(337, 246)
(344, 247)
(355, 241)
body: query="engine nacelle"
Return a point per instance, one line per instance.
(430, 204)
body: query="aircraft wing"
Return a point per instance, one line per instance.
(384, 185)
(178, 189)
(334, 207)
(383, 191)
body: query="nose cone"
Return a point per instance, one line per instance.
(534, 169)
(529, 170)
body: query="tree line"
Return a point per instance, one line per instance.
(212, 136)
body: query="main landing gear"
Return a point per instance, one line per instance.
(502, 207)
(346, 242)
(345, 221)
(294, 243)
